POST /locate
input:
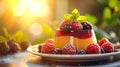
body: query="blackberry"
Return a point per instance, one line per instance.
(66, 28)
(86, 26)
(81, 52)
(39, 48)
(58, 51)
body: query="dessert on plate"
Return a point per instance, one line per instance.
(75, 35)
(78, 33)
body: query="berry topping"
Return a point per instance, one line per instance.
(86, 26)
(47, 48)
(65, 26)
(49, 41)
(108, 47)
(58, 51)
(81, 52)
(69, 49)
(102, 41)
(76, 26)
(93, 48)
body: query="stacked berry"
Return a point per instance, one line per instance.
(74, 22)
(74, 26)
(106, 45)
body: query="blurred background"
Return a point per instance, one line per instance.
(36, 20)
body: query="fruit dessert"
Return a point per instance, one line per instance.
(76, 30)
(75, 35)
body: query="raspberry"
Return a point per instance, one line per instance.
(108, 47)
(93, 49)
(65, 26)
(102, 41)
(86, 26)
(49, 41)
(76, 26)
(47, 48)
(81, 52)
(69, 49)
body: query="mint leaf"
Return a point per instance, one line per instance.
(82, 18)
(75, 14)
(68, 17)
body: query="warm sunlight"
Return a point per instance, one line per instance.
(39, 9)
(31, 8)
(19, 10)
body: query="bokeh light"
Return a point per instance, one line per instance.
(35, 29)
(39, 9)
(26, 2)
(31, 8)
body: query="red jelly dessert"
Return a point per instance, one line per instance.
(80, 39)
(74, 30)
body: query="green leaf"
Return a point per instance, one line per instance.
(82, 19)
(112, 21)
(67, 17)
(19, 36)
(6, 33)
(118, 5)
(106, 13)
(2, 39)
(92, 19)
(100, 33)
(112, 3)
(75, 14)
(39, 41)
(48, 31)
(70, 17)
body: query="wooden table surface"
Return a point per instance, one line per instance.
(26, 59)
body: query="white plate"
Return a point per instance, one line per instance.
(71, 58)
